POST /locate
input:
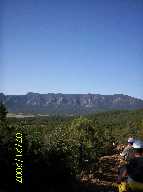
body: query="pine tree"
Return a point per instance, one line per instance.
(3, 113)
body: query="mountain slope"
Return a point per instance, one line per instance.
(68, 103)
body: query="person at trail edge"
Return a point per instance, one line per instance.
(133, 171)
(128, 150)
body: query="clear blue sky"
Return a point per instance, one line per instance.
(72, 46)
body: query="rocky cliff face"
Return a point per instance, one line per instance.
(68, 103)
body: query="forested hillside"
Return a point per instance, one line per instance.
(55, 148)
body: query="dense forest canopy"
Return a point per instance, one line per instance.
(56, 147)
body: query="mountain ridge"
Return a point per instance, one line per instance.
(59, 103)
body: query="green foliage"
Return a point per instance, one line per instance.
(7, 140)
(3, 120)
(3, 112)
(56, 147)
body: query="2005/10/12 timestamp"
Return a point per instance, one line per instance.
(19, 158)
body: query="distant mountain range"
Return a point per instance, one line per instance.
(69, 104)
